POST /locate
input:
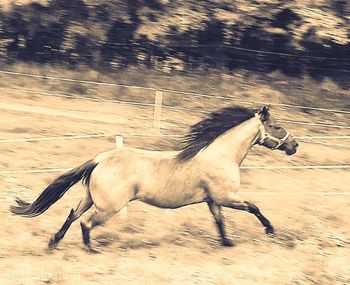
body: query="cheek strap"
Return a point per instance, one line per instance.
(264, 135)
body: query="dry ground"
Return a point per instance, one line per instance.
(154, 246)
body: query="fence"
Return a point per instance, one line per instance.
(189, 93)
(119, 143)
(158, 107)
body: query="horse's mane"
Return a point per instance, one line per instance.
(206, 131)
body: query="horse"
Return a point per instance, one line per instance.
(205, 169)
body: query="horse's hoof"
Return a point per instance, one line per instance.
(52, 243)
(90, 250)
(227, 242)
(270, 232)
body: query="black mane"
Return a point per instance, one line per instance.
(206, 131)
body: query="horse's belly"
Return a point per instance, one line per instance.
(175, 197)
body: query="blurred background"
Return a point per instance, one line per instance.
(296, 38)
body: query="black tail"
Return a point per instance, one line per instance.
(54, 191)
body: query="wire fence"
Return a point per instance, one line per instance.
(175, 108)
(191, 110)
(296, 55)
(312, 139)
(143, 134)
(234, 98)
(73, 80)
(189, 93)
(244, 167)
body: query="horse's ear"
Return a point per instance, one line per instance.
(264, 113)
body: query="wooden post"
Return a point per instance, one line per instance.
(157, 114)
(119, 143)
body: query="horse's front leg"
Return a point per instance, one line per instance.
(252, 208)
(232, 200)
(219, 220)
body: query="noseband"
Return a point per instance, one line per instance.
(264, 135)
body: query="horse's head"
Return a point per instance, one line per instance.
(273, 136)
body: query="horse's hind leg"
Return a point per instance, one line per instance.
(96, 219)
(83, 206)
(219, 220)
(233, 201)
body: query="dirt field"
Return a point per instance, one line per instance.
(309, 209)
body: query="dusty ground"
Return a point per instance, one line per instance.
(308, 208)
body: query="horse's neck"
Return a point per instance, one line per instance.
(234, 145)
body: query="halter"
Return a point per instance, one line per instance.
(264, 135)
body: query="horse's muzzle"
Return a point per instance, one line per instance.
(292, 150)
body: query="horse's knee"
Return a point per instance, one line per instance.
(252, 208)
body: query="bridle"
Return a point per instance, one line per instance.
(264, 135)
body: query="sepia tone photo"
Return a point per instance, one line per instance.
(175, 142)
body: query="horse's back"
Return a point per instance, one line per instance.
(134, 153)
(127, 164)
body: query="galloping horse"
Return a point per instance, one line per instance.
(206, 169)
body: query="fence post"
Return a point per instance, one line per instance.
(157, 114)
(119, 143)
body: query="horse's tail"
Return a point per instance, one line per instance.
(54, 191)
